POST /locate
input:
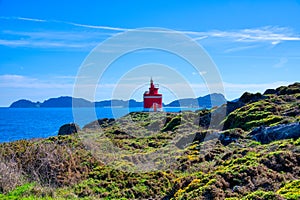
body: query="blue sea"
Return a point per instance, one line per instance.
(28, 123)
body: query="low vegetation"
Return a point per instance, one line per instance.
(163, 156)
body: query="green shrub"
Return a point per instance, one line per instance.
(20, 192)
(261, 195)
(172, 125)
(290, 190)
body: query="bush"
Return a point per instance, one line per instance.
(290, 190)
(172, 125)
(54, 162)
(10, 176)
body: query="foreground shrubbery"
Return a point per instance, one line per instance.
(206, 164)
(208, 169)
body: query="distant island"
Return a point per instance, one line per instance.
(66, 101)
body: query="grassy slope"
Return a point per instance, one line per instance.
(67, 167)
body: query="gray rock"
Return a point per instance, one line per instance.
(68, 129)
(283, 131)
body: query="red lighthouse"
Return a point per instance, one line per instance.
(152, 99)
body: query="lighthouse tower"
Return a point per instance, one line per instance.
(152, 99)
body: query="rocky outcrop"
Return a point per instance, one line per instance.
(100, 123)
(285, 90)
(270, 91)
(68, 129)
(283, 131)
(250, 98)
(288, 90)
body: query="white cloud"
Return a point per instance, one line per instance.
(31, 19)
(275, 42)
(240, 48)
(200, 37)
(79, 39)
(13, 43)
(52, 39)
(98, 27)
(57, 35)
(45, 44)
(271, 34)
(18, 81)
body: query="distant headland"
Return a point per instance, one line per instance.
(206, 101)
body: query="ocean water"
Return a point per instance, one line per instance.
(28, 123)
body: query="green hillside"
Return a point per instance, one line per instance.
(251, 153)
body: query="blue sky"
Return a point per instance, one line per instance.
(254, 44)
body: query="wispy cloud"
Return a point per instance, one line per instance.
(267, 33)
(45, 44)
(272, 35)
(31, 19)
(58, 82)
(57, 37)
(23, 19)
(19, 81)
(51, 39)
(98, 27)
(240, 48)
(66, 22)
(200, 37)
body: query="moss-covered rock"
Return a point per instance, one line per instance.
(267, 112)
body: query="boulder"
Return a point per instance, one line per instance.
(283, 131)
(68, 129)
